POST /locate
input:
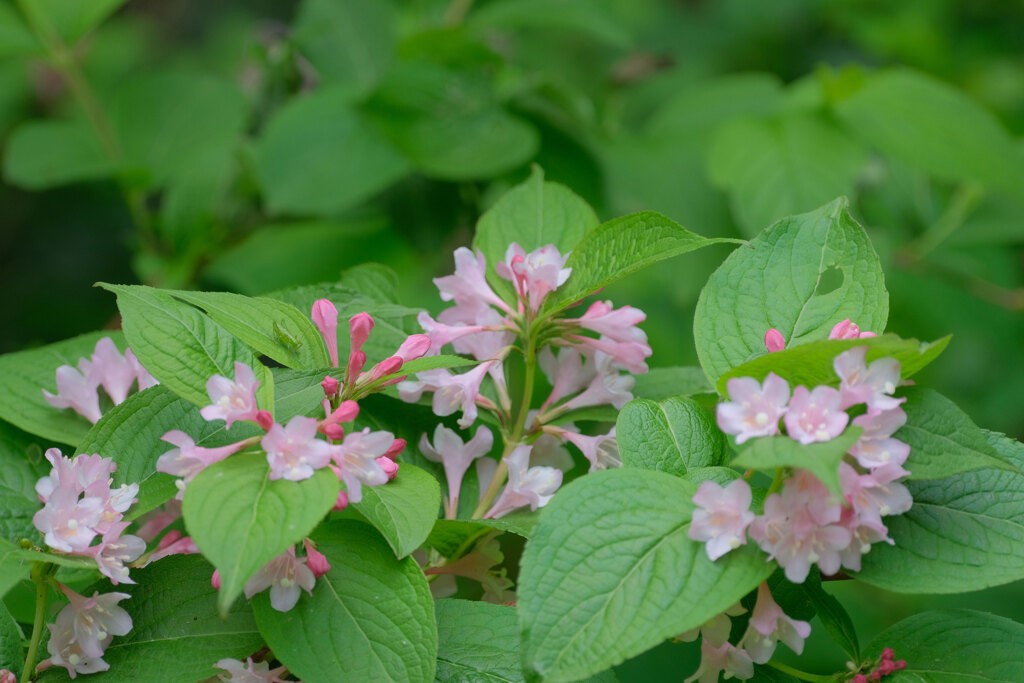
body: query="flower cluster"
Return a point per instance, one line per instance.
(249, 671)
(80, 505)
(804, 524)
(77, 388)
(84, 629)
(583, 370)
(880, 668)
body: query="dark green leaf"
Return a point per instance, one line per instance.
(477, 641)
(672, 436)
(833, 616)
(18, 477)
(44, 154)
(12, 655)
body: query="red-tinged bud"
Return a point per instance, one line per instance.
(774, 341)
(331, 386)
(900, 664)
(359, 327)
(859, 678)
(325, 316)
(215, 579)
(397, 447)
(169, 538)
(388, 366)
(886, 667)
(315, 559)
(356, 361)
(875, 675)
(334, 432)
(389, 466)
(264, 419)
(346, 412)
(888, 653)
(342, 502)
(415, 346)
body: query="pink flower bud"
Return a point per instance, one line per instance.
(389, 466)
(7, 676)
(345, 412)
(415, 346)
(875, 675)
(860, 678)
(325, 316)
(397, 447)
(359, 328)
(900, 664)
(215, 579)
(886, 667)
(330, 386)
(171, 536)
(264, 419)
(342, 502)
(774, 341)
(388, 366)
(356, 361)
(334, 432)
(315, 560)
(888, 653)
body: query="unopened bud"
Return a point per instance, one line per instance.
(356, 361)
(215, 579)
(388, 366)
(359, 327)
(331, 386)
(900, 664)
(265, 420)
(774, 341)
(888, 653)
(415, 346)
(169, 538)
(397, 447)
(325, 316)
(334, 432)
(389, 466)
(859, 678)
(315, 560)
(342, 502)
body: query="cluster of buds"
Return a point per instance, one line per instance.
(83, 630)
(846, 329)
(77, 388)
(768, 625)
(885, 665)
(583, 370)
(805, 524)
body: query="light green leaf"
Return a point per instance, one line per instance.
(821, 459)
(60, 559)
(18, 477)
(241, 520)
(298, 392)
(434, 363)
(318, 156)
(13, 566)
(12, 655)
(370, 618)
(722, 476)
(658, 384)
(622, 246)
(801, 276)
(25, 374)
(477, 641)
(611, 572)
(403, 510)
(44, 154)
(811, 364)
(781, 166)
(963, 533)
(15, 37)
(672, 436)
(954, 646)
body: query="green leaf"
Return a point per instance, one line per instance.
(833, 616)
(18, 477)
(318, 156)
(611, 572)
(241, 520)
(821, 459)
(534, 213)
(954, 646)
(403, 510)
(370, 618)
(672, 436)
(787, 279)
(71, 561)
(298, 392)
(477, 641)
(26, 373)
(590, 19)
(622, 246)
(720, 475)
(12, 655)
(781, 166)
(176, 634)
(13, 566)
(179, 346)
(434, 363)
(272, 328)
(661, 383)
(963, 533)
(811, 364)
(934, 127)
(73, 19)
(349, 43)
(45, 154)
(15, 37)
(448, 535)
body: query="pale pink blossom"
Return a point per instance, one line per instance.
(112, 370)
(848, 329)
(876, 494)
(628, 354)
(533, 486)
(725, 659)
(567, 373)
(602, 450)
(142, 375)
(7, 676)
(876, 447)
(721, 517)
(155, 521)
(814, 416)
(606, 386)
(618, 325)
(174, 543)
(494, 335)
(67, 523)
(356, 461)
(456, 456)
(468, 285)
(249, 671)
(284, 576)
(441, 335)
(76, 389)
(92, 622)
(872, 385)
(293, 451)
(754, 409)
(389, 466)
(768, 625)
(233, 400)
(410, 391)
(774, 341)
(188, 459)
(325, 317)
(536, 274)
(115, 551)
(460, 392)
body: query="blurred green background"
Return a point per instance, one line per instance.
(254, 145)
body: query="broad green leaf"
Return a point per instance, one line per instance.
(18, 477)
(373, 281)
(720, 475)
(821, 459)
(963, 533)
(660, 383)
(434, 363)
(298, 392)
(179, 346)
(24, 375)
(781, 166)
(176, 634)
(12, 655)
(801, 276)
(15, 37)
(370, 618)
(241, 520)
(622, 246)
(318, 156)
(592, 19)
(73, 19)
(534, 214)
(934, 127)
(954, 646)
(811, 364)
(449, 535)
(943, 440)
(13, 566)
(611, 571)
(672, 436)
(60, 559)
(349, 43)
(832, 616)
(270, 327)
(477, 641)
(403, 510)
(44, 154)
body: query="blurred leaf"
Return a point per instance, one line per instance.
(403, 510)
(73, 18)
(11, 651)
(15, 37)
(318, 156)
(44, 154)
(672, 436)
(348, 42)
(588, 17)
(18, 477)
(821, 459)
(661, 383)
(13, 567)
(372, 280)
(778, 167)
(692, 112)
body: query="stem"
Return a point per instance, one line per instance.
(961, 204)
(456, 12)
(777, 482)
(802, 675)
(41, 572)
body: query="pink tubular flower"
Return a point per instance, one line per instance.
(754, 409)
(815, 415)
(111, 369)
(606, 385)
(628, 354)
(848, 329)
(602, 451)
(249, 671)
(768, 625)
(533, 486)
(142, 375)
(115, 551)
(567, 373)
(67, 523)
(284, 576)
(233, 400)
(468, 285)
(294, 452)
(456, 456)
(876, 447)
(774, 341)
(456, 392)
(873, 385)
(722, 516)
(355, 461)
(536, 274)
(325, 317)
(315, 560)
(188, 459)
(92, 622)
(76, 389)
(618, 325)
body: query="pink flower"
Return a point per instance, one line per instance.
(536, 274)
(468, 285)
(356, 461)
(566, 373)
(315, 560)
(67, 523)
(284, 576)
(7, 676)
(755, 409)
(492, 337)
(602, 451)
(722, 516)
(774, 341)
(618, 325)
(628, 354)
(115, 551)
(815, 415)
(724, 658)
(294, 452)
(92, 622)
(606, 385)
(460, 392)
(456, 456)
(768, 625)
(113, 370)
(848, 330)
(76, 389)
(174, 544)
(249, 671)
(145, 379)
(325, 317)
(232, 400)
(188, 459)
(876, 447)
(389, 466)
(533, 486)
(873, 385)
